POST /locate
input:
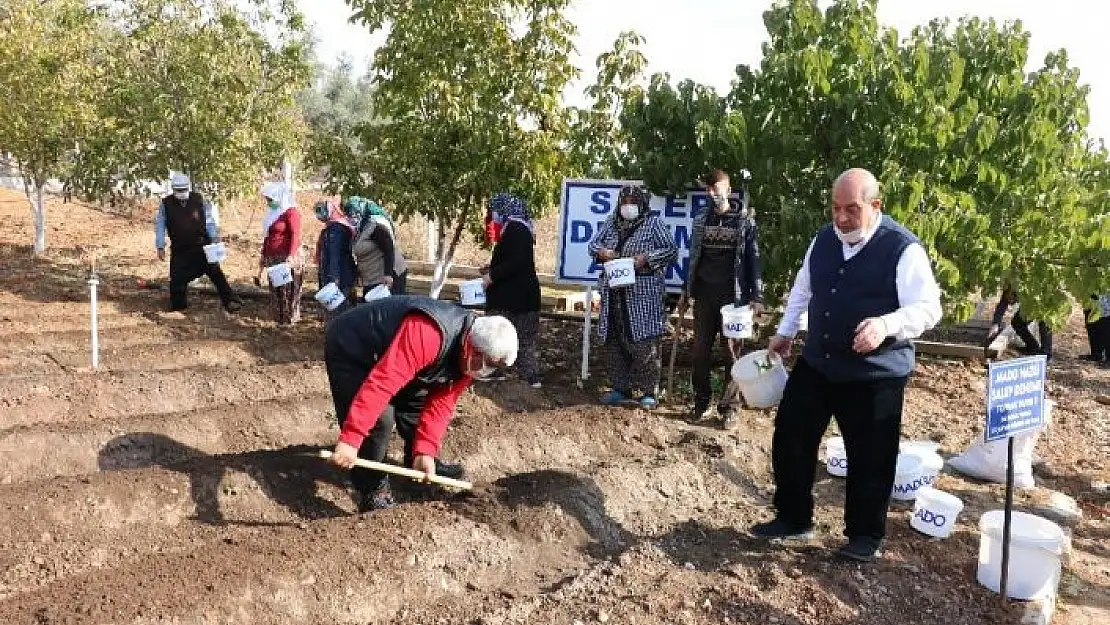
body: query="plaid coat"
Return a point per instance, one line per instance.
(654, 239)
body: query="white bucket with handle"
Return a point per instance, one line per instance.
(215, 252)
(1037, 547)
(472, 292)
(907, 477)
(620, 273)
(330, 296)
(935, 512)
(737, 321)
(377, 292)
(280, 274)
(931, 462)
(836, 458)
(761, 377)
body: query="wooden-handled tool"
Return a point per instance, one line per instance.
(409, 473)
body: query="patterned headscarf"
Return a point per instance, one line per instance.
(641, 198)
(362, 212)
(512, 208)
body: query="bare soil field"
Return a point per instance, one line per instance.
(174, 485)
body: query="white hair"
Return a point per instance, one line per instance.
(870, 184)
(495, 337)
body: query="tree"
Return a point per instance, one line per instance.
(206, 87)
(334, 110)
(51, 74)
(469, 93)
(597, 141)
(991, 167)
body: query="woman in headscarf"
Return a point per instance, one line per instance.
(281, 243)
(377, 254)
(631, 322)
(511, 285)
(334, 257)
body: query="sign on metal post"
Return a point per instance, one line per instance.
(1015, 397)
(1015, 405)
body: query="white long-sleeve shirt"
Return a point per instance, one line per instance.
(918, 293)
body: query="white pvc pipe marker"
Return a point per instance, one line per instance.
(93, 282)
(588, 315)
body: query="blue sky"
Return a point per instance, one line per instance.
(705, 39)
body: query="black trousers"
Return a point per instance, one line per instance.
(1021, 328)
(345, 377)
(189, 264)
(870, 418)
(707, 326)
(1098, 335)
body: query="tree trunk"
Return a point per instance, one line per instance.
(445, 256)
(34, 188)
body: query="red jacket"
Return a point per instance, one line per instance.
(284, 236)
(415, 346)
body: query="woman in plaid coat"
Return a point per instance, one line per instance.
(631, 321)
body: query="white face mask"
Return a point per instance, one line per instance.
(181, 195)
(853, 237)
(630, 211)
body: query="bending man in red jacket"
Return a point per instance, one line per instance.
(404, 361)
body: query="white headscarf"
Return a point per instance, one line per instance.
(280, 192)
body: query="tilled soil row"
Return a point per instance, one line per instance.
(73, 397)
(39, 452)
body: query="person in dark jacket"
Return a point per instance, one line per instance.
(334, 260)
(191, 223)
(405, 361)
(869, 289)
(724, 269)
(511, 284)
(1031, 345)
(1098, 330)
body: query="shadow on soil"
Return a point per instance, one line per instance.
(287, 476)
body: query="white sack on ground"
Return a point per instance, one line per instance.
(987, 461)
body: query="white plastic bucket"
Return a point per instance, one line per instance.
(280, 274)
(907, 477)
(931, 462)
(472, 293)
(215, 252)
(935, 512)
(620, 272)
(836, 459)
(1037, 546)
(330, 296)
(736, 321)
(377, 292)
(761, 385)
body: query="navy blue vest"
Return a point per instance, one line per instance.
(847, 292)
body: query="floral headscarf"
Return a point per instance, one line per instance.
(512, 208)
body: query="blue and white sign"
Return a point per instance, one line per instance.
(587, 203)
(1015, 397)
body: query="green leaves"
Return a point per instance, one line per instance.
(989, 166)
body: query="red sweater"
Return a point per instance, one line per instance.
(415, 346)
(284, 236)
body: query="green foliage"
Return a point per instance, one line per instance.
(334, 110)
(469, 93)
(206, 87)
(991, 167)
(51, 73)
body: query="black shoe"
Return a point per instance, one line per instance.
(452, 470)
(497, 375)
(233, 306)
(730, 418)
(380, 498)
(781, 530)
(862, 549)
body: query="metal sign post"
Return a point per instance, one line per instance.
(1015, 405)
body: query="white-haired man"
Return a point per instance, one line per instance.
(191, 223)
(404, 361)
(868, 286)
